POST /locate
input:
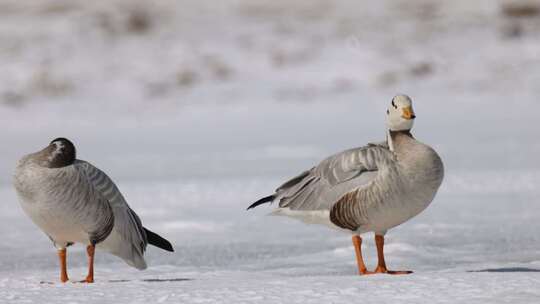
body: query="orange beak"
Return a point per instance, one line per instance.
(408, 113)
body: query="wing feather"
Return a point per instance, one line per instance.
(128, 239)
(324, 185)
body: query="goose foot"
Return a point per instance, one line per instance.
(381, 265)
(380, 269)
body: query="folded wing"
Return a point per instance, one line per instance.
(324, 185)
(128, 238)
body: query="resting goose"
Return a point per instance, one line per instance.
(75, 202)
(368, 189)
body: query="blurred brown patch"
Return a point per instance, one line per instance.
(281, 58)
(513, 30)
(135, 20)
(58, 7)
(12, 98)
(297, 10)
(186, 78)
(139, 21)
(421, 69)
(521, 10)
(218, 68)
(44, 83)
(423, 10)
(106, 22)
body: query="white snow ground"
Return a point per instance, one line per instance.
(198, 109)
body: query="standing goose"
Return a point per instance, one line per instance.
(368, 189)
(75, 202)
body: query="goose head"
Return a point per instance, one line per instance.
(400, 114)
(59, 153)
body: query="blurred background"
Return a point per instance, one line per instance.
(198, 108)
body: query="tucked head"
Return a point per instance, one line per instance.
(59, 153)
(400, 114)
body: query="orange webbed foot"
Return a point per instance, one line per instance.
(380, 269)
(88, 280)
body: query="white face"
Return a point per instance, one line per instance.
(59, 146)
(400, 114)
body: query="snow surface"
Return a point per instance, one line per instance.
(198, 109)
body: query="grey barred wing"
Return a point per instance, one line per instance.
(127, 224)
(324, 185)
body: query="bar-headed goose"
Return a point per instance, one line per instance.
(75, 202)
(368, 189)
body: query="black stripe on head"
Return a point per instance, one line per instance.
(61, 153)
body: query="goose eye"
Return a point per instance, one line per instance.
(387, 112)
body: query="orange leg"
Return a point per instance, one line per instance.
(381, 265)
(357, 242)
(62, 254)
(90, 250)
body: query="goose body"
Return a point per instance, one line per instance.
(365, 189)
(369, 189)
(72, 201)
(73, 214)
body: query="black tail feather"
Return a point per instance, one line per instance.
(158, 241)
(263, 200)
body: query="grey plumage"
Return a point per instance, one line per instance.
(365, 189)
(128, 239)
(58, 209)
(320, 187)
(368, 189)
(73, 201)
